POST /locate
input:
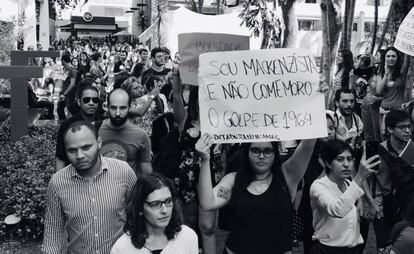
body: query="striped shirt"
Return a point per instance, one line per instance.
(91, 210)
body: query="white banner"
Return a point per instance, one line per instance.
(27, 16)
(260, 95)
(404, 41)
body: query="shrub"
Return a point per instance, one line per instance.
(25, 170)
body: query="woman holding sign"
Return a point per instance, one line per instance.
(260, 194)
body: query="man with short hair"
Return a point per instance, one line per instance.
(349, 124)
(158, 72)
(88, 101)
(87, 199)
(399, 128)
(122, 139)
(143, 53)
(68, 93)
(167, 58)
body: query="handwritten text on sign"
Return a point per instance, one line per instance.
(191, 45)
(260, 95)
(404, 41)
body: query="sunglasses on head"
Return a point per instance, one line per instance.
(88, 99)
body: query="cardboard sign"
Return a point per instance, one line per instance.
(404, 41)
(260, 95)
(191, 45)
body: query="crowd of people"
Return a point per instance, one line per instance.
(135, 174)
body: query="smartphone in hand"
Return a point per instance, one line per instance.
(371, 149)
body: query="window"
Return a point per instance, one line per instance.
(310, 25)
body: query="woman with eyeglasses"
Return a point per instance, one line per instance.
(153, 225)
(334, 196)
(260, 195)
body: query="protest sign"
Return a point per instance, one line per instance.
(260, 95)
(404, 41)
(191, 45)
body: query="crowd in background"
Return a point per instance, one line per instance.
(323, 192)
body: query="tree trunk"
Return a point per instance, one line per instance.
(266, 35)
(291, 24)
(386, 25)
(374, 36)
(348, 24)
(193, 6)
(331, 27)
(200, 6)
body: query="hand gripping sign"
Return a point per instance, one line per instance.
(260, 95)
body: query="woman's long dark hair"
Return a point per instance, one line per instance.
(396, 70)
(407, 221)
(245, 175)
(347, 65)
(193, 109)
(135, 225)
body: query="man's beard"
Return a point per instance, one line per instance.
(344, 111)
(118, 121)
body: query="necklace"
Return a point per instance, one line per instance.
(261, 185)
(267, 177)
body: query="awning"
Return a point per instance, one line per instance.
(64, 26)
(122, 33)
(147, 34)
(95, 27)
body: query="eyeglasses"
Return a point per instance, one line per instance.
(158, 203)
(267, 152)
(404, 126)
(88, 99)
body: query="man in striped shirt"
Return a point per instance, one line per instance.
(87, 199)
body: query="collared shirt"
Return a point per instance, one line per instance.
(91, 210)
(342, 131)
(335, 215)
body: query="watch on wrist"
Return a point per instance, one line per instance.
(152, 96)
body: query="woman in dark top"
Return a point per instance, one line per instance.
(83, 66)
(188, 125)
(261, 193)
(390, 84)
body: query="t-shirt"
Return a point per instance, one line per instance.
(71, 74)
(185, 242)
(393, 94)
(405, 242)
(149, 76)
(129, 143)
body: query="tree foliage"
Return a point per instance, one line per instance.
(262, 20)
(7, 41)
(56, 6)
